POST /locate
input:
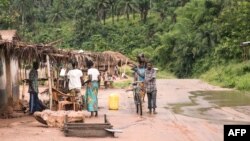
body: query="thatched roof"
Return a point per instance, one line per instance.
(29, 52)
(118, 57)
(11, 45)
(9, 35)
(100, 59)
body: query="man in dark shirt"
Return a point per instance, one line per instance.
(34, 103)
(150, 82)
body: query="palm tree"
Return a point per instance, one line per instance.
(113, 4)
(24, 8)
(127, 6)
(56, 13)
(144, 6)
(161, 6)
(20, 7)
(102, 7)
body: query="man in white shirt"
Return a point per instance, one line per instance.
(75, 77)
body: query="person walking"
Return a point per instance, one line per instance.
(75, 77)
(34, 103)
(150, 82)
(140, 77)
(92, 90)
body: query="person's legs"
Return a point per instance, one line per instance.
(79, 98)
(31, 103)
(72, 92)
(143, 91)
(149, 102)
(92, 114)
(154, 93)
(88, 102)
(95, 92)
(105, 84)
(37, 106)
(91, 98)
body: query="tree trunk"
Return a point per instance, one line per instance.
(134, 14)
(145, 14)
(98, 17)
(118, 17)
(174, 18)
(162, 15)
(104, 17)
(51, 2)
(141, 15)
(113, 18)
(127, 16)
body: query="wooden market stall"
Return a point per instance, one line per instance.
(16, 56)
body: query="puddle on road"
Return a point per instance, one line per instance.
(208, 105)
(225, 98)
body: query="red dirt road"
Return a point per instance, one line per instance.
(166, 125)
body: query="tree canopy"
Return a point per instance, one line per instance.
(186, 37)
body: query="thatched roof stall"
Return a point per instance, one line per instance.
(119, 59)
(28, 53)
(102, 60)
(14, 54)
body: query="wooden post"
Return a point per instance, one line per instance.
(23, 74)
(49, 80)
(105, 118)
(8, 77)
(109, 64)
(52, 78)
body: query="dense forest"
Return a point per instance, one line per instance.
(189, 38)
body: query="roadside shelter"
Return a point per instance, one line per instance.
(15, 54)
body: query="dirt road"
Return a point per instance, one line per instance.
(181, 117)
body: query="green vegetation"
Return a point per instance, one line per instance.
(187, 38)
(127, 70)
(164, 75)
(122, 84)
(235, 75)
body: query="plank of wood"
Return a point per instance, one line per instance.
(89, 127)
(114, 130)
(87, 133)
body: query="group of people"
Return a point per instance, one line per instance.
(76, 81)
(146, 74)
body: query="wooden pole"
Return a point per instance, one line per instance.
(49, 79)
(109, 64)
(23, 74)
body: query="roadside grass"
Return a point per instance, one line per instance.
(127, 70)
(122, 84)
(162, 74)
(230, 76)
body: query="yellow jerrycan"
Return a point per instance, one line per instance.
(113, 102)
